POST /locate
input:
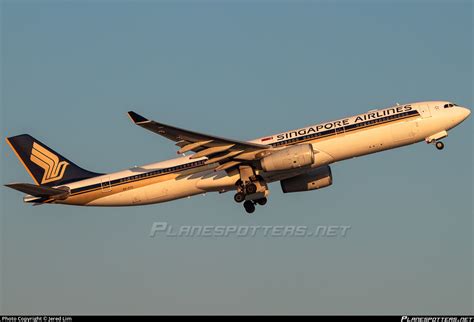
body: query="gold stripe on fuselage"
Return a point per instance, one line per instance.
(86, 196)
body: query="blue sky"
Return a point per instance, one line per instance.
(71, 70)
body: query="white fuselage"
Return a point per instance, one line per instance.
(371, 132)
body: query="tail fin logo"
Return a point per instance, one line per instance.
(53, 169)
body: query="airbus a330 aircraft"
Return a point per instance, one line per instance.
(299, 159)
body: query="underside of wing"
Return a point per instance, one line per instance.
(227, 152)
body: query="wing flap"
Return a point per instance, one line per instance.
(193, 146)
(228, 165)
(210, 151)
(222, 157)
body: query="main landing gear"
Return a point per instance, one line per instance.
(249, 205)
(251, 197)
(251, 190)
(239, 197)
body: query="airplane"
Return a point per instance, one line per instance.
(300, 159)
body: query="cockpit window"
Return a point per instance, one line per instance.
(449, 105)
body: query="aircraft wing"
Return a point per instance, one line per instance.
(227, 152)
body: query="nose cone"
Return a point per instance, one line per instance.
(465, 112)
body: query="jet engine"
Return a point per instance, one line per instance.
(294, 157)
(315, 179)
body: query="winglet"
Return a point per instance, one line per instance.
(136, 118)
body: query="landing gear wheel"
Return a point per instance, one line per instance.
(249, 206)
(439, 145)
(262, 201)
(251, 188)
(239, 197)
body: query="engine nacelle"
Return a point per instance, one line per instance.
(294, 157)
(315, 179)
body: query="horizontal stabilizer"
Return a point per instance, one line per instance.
(39, 191)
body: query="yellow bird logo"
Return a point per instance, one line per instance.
(53, 169)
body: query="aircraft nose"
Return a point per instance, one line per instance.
(465, 112)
